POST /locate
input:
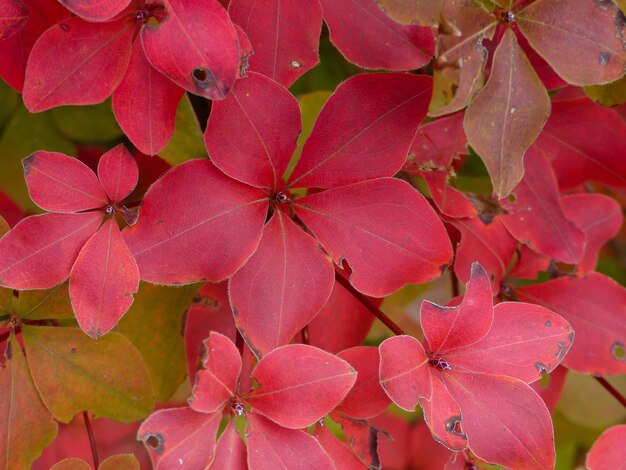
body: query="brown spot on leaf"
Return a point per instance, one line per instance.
(64, 27)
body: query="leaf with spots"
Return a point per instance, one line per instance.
(507, 115)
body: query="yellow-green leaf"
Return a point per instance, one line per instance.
(26, 426)
(44, 304)
(154, 325)
(9, 101)
(120, 462)
(608, 95)
(74, 372)
(187, 142)
(72, 463)
(95, 124)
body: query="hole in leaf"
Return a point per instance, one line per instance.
(544, 381)
(453, 426)
(202, 77)
(295, 64)
(619, 351)
(543, 370)
(154, 441)
(604, 58)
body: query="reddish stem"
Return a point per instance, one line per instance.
(367, 303)
(92, 440)
(612, 390)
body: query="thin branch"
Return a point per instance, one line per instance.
(367, 303)
(92, 440)
(612, 390)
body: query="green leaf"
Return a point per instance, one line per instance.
(26, 427)
(25, 134)
(72, 463)
(120, 462)
(94, 124)
(154, 325)
(44, 304)
(74, 372)
(187, 142)
(608, 95)
(9, 101)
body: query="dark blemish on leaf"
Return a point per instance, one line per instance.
(486, 218)
(64, 27)
(16, 293)
(28, 162)
(235, 313)
(245, 64)
(571, 337)
(492, 277)
(453, 426)
(561, 351)
(203, 78)
(512, 198)
(541, 368)
(373, 448)
(73, 351)
(154, 442)
(548, 323)
(618, 351)
(604, 58)
(444, 267)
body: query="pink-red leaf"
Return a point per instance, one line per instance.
(196, 224)
(367, 398)
(342, 456)
(350, 144)
(449, 328)
(582, 141)
(372, 40)
(195, 46)
(180, 438)
(103, 281)
(608, 451)
(282, 287)
(75, 62)
(146, 92)
(118, 173)
(59, 183)
(506, 116)
(599, 217)
(251, 135)
(13, 17)
(271, 447)
(299, 384)
(40, 250)
(535, 215)
(506, 422)
(595, 306)
(525, 341)
(218, 379)
(404, 371)
(583, 40)
(230, 452)
(95, 10)
(385, 230)
(284, 35)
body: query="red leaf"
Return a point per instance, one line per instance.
(75, 62)
(251, 135)
(299, 384)
(338, 451)
(103, 281)
(535, 215)
(367, 398)
(180, 437)
(187, 232)
(15, 50)
(271, 447)
(487, 243)
(350, 144)
(372, 40)
(404, 371)
(385, 230)
(95, 10)
(524, 342)
(362, 438)
(282, 287)
(580, 39)
(195, 46)
(60, 183)
(146, 92)
(350, 319)
(218, 380)
(284, 36)
(599, 217)
(505, 420)
(13, 17)
(118, 173)
(595, 306)
(443, 415)
(450, 328)
(230, 453)
(583, 142)
(529, 264)
(40, 250)
(608, 451)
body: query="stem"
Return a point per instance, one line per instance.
(92, 440)
(612, 390)
(367, 303)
